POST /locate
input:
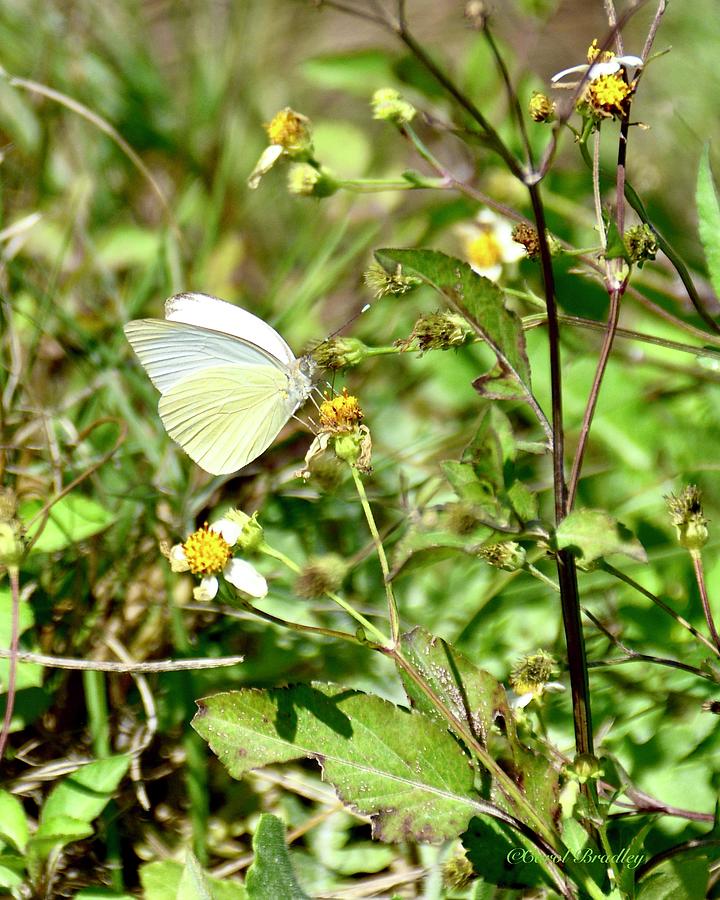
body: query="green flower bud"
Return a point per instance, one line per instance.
(11, 544)
(339, 353)
(322, 574)
(686, 514)
(438, 331)
(252, 534)
(457, 872)
(388, 105)
(507, 555)
(306, 180)
(641, 244)
(382, 283)
(585, 767)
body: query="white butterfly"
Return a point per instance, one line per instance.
(228, 381)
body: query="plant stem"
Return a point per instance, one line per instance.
(567, 572)
(700, 578)
(94, 684)
(14, 576)
(380, 550)
(611, 570)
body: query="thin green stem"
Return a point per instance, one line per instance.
(621, 576)
(14, 576)
(343, 604)
(536, 573)
(700, 578)
(380, 550)
(95, 687)
(376, 185)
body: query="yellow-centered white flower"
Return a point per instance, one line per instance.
(488, 245)
(238, 572)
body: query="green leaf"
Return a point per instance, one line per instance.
(615, 243)
(360, 72)
(708, 209)
(73, 518)
(101, 893)
(271, 874)
(592, 533)
(55, 832)
(500, 856)
(193, 883)
(476, 697)
(481, 302)
(428, 543)
(12, 870)
(398, 767)
(161, 881)
(13, 822)
(86, 792)
(683, 877)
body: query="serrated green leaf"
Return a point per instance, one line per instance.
(161, 881)
(73, 518)
(271, 873)
(398, 767)
(14, 828)
(86, 792)
(708, 209)
(592, 533)
(481, 302)
(476, 697)
(56, 831)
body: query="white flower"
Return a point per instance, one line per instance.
(207, 552)
(488, 244)
(599, 63)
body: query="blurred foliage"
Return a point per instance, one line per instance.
(128, 185)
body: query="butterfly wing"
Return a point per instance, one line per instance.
(226, 416)
(171, 351)
(217, 315)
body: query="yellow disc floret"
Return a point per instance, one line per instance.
(595, 55)
(608, 95)
(207, 551)
(290, 130)
(340, 414)
(484, 251)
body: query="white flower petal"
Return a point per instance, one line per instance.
(246, 578)
(634, 61)
(207, 589)
(554, 687)
(491, 272)
(229, 530)
(558, 75)
(519, 702)
(178, 559)
(269, 157)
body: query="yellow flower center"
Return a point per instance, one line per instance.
(289, 129)
(594, 54)
(341, 413)
(608, 93)
(207, 551)
(484, 251)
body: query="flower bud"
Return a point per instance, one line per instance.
(252, 535)
(382, 283)
(11, 544)
(388, 105)
(306, 180)
(641, 244)
(541, 107)
(339, 353)
(322, 574)
(438, 331)
(585, 766)
(686, 514)
(457, 872)
(532, 673)
(507, 555)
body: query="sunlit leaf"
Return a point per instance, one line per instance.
(592, 533)
(271, 874)
(708, 209)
